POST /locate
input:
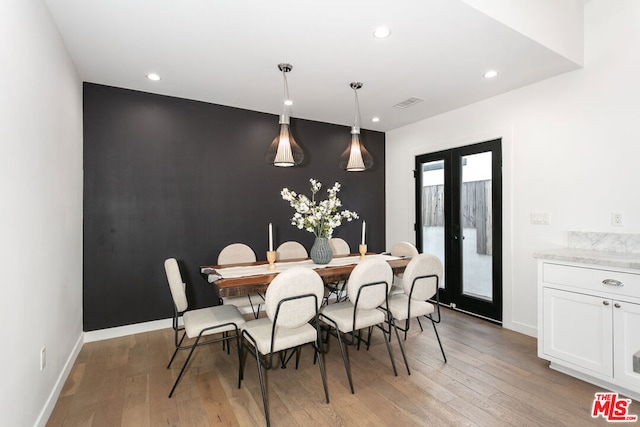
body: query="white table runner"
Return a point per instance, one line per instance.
(256, 270)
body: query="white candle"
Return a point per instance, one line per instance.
(364, 225)
(270, 237)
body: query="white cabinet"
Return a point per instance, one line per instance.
(577, 329)
(589, 323)
(626, 328)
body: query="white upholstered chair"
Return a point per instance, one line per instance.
(401, 249)
(237, 253)
(421, 283)
(367, 289)
(200, 323)
(338, 247)
(291, 304)
(291, 250)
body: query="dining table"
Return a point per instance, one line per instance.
(232, 280)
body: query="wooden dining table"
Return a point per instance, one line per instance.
(258, 282)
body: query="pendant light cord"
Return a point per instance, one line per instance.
(357, 118)
(286, 92)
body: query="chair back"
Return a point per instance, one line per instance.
(425, 287)
(404, 249)
(339, 246)
(369, 271)
(292, 283)
(176, 285)
(236, 253)
(291, 250)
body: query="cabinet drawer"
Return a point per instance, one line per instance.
(593, 279)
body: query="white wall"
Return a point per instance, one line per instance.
(41, 211)
(571, 146)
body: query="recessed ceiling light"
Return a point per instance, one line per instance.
(288, 102)
(381, 33)
(375, 119)
(490, 74)
(153, 76)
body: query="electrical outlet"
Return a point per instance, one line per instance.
(539, 218)
(43, 358)
(616, 218)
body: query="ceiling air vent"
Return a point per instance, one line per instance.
(408, 103)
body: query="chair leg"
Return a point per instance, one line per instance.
(419, 323)
(226, 342)
(298, 356)
(323, 342)
(176, 350)
(240, 362)
(439, 342)
(262, 388)
(322, 372)
(369, 337)
(404, 357)
(344, 355)
(387, 342)
(186, 362)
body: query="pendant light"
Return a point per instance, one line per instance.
(284, 151)
(355, 158)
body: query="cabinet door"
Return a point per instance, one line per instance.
(626, 326)
(578, 330)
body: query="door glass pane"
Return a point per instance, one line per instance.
(433, 210)
(476, 217)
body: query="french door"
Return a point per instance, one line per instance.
(459, 219)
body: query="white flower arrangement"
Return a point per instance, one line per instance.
(319, 218)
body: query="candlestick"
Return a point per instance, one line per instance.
(271, 257)
(364, 225)
(363, 251)
(270, 237)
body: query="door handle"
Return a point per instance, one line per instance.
(617, 305)
(605, 302)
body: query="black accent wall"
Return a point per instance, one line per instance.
(169, 177)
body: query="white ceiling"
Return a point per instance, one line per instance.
(226, 52)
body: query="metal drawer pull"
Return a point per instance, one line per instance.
(605, 302)
(616, 305)
(612, 282)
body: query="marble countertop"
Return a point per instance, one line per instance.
(589, 256)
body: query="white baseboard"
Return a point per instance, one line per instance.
(122, 331)
(608, 386)
(44, 415)
(91, 336)
(522, 328)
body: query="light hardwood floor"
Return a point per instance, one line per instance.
(492, 378)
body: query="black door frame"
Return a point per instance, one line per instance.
(453, 239)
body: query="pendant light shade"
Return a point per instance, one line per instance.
(355, 158)
(284, 151)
